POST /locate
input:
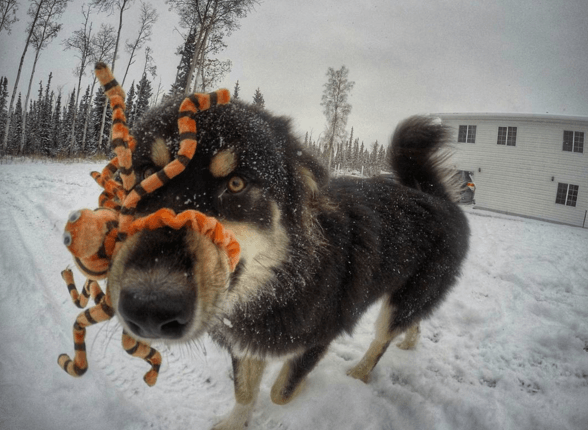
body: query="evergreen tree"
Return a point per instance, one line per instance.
(66, 129)
(44, 120)
(81, 120)
(374, 159)
(236, 91)
(144, 93)
(51, 148)
(186, 52)
(355, 156)
(30, 129)
(258, 99)
(3, 103)
(382, 159)
(130, 102)
(15, 127)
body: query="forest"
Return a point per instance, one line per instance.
(40, 121)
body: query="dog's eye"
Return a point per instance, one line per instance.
(236, 184)
(148, 171)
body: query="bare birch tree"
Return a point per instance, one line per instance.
(147, 19)
(8, 17)
(336, 106)
(34, 11)
(101, 50)
(44, 31)
(80, 41)
(150, 65)
(206, 16)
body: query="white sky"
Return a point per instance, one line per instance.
(405, 56)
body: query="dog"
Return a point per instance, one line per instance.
(316, 251)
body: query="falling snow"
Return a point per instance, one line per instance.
(507, 350)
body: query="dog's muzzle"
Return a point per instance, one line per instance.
(156, 287)
(157, 315)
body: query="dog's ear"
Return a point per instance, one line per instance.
(313, 175)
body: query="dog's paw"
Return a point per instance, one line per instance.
(359, 372)
(227, 424)
(237, 419)
(406, 345)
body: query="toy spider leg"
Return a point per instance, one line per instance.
(103, 311)
(90, 289)
(140, 349)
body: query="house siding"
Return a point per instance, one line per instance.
(523, 179)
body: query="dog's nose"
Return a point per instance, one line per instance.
(157, 315)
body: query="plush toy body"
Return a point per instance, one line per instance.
(94, 237)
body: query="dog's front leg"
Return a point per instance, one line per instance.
(247, 377)
(293, 373)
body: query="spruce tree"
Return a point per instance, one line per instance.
(355, 157)
(51, 148)
(66, 129)
(15, 127)
(30, 128)
(258, 99)
(44, 120)
(144, 93)
(186, 52)
(381, 159)
(130, 101)
(95, 119)
(81, 120)
(235, 94)
(3, 103)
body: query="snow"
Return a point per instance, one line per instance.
(507, 350)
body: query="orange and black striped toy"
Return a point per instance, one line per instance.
(94, 237)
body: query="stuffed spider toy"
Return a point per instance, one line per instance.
(95, 236)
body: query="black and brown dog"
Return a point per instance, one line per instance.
(316, 252)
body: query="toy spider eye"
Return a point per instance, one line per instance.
(67, 238)
(148, 172)
(74, 216)
(236, 184)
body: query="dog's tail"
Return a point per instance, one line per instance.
(418, 155)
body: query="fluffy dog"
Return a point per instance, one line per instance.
(316, 252)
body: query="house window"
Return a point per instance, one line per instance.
(507, 136)
(467, 134)
(573, 141)
(567, 194)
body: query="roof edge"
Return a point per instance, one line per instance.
(514, 116)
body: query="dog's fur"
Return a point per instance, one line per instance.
(316, 252)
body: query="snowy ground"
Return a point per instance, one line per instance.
(508, 350)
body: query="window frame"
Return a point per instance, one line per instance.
(573, 141)
(507, 136)
(469, 136)
(567, 194)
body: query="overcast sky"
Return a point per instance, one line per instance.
(405, 56)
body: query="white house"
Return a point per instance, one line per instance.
(524, 164)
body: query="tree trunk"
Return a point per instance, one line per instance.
(200, 44)
(10, 109)
(88, 108)
(24, 115)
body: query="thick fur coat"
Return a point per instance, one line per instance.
(316, 252)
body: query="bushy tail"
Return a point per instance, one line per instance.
(418, 156)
